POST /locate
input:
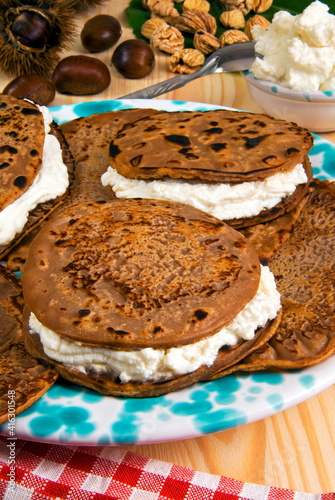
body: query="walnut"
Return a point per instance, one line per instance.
(256, 20)
(245, 6)
(168, 39)
(232, 19)
(186, 61)
(261, 5)
(193, 20)
(232, 36)
(161, 8)
(151, 25)
(205, 42)
(202, 5)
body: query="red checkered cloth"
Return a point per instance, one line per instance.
(38, 471)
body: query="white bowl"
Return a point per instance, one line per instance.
(313, 110)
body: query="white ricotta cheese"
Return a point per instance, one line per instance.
(298, 51)
(51, 181)
(148, 364)
(224, 201)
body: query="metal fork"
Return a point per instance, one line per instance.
(235, 57)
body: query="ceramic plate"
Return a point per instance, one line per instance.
(74, 415)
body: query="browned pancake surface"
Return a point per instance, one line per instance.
(43, 210)
(11, 307)
(20, 372)
(305, 274)
(219, 146)
(27, 377)
(138, 273)
(21, 146)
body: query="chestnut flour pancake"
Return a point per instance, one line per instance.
(218, 147)
(137, 274)
(304, 271)
(19, 371)
(22, 138)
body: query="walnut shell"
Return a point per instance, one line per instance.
(168, 39)
(186, 61)
(205, 42)
(193, 20)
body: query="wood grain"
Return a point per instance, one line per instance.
(293, 449)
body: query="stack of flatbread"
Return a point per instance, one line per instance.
(146, 281)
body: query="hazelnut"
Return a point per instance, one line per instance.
(134, 59)
(81, 75)
(100, 33)
(34, 87)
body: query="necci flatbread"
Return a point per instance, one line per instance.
(135, 275)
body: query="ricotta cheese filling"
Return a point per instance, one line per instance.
(154, 364)
(51, 181)
(298, 51)
(224, 201)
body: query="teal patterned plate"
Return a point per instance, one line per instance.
(71, 414)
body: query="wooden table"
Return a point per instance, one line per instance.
(294, 449)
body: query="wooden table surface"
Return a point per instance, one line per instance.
(293, 449)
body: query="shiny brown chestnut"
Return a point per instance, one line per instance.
(100, 33)
(81, 75)
(30, 29)
(34, 87)
(133, 59)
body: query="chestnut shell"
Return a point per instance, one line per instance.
(100, 33)
(81, 75)
(133, 59)
(37, 88)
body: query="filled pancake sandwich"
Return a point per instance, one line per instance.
(139, 298)
(243, 168)
(35, 168)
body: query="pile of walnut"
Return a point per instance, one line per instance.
(166, 26)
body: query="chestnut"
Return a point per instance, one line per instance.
(81, 75)
(133, 59)
(100, 33)
(30, 29)
(37, 88)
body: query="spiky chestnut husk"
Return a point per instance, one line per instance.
(87, 4)
(48, 27)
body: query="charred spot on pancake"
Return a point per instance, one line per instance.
(214, 130)
(8, 149)
(136, 160)
(33, 152)
(240, 244)
(139, 145)
(113, 150)
(151, 129)
(30, 111)
(181, 140)
(157, 329)
(271, 160)
(4, 165)
(20, 181)
(187, 153)
(260, 123)
(110, 329)
(83, 312)
(218, 146)
(3, 105)
(200, 314)
(292, 151)
(253, 142)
